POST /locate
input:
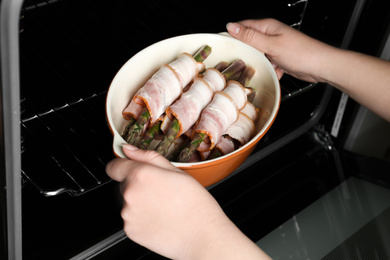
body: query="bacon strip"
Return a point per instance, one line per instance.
(188, 108)
(186, 67)
(166, 85)
(225, 145)
(250, 110)
(132, 110)
(215, 79)
(236, 91)
(220, 114)
(215, 119)
(242, 130)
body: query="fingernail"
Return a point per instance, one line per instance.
(233, 28)
(129, 147)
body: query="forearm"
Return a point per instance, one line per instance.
(364, 78)
(230, 244)
(235, 245)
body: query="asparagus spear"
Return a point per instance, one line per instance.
(127, 127)
(215, 153)
(202, 53)
(222, 65)
(137, 128)
(234, 69)
(246, 76)
(186, 154)
(244, 79)
(180, 147)
(162, 148)
(150, 134)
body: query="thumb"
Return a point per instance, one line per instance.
(118, 169)
(147, 156)
(249, 36)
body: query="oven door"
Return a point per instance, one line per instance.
(319, 205)
(304, 202)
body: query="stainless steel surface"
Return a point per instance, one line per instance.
(10, 102)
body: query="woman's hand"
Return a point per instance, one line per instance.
(169, 212)
(364, 78)
(288, 49)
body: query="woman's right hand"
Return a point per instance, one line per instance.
(366, 79)
(288, 49)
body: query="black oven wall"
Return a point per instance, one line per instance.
(71, 50)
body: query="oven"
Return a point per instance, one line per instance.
(58, 58)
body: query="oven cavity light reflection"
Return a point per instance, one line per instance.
(298, 2)
(297, 229)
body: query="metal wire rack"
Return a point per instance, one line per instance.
(67, 65)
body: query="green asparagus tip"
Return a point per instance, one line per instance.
(202, 53)
(187, 152)
(246, 76)
(215, 153)
(234, 70)
(222, 65)
(163, 147)
(137, 128)
(127, 127)
(150, 135)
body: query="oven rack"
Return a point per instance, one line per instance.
(291, 87)
(67, 65)
(74, 143)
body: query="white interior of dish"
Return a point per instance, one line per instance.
(144, 64)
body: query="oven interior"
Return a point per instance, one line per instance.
(71, 50)
(69, 53)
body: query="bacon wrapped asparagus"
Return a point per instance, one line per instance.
(201, 104)
(215, 119)
(164, 87)
(169, 124)
(238, 133)
(131, 113)
(185, 112)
